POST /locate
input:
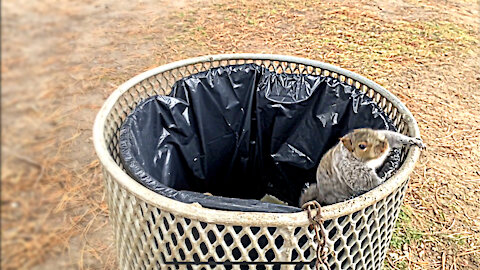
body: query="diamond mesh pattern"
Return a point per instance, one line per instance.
(146, 236)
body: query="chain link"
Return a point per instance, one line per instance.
(317, 223)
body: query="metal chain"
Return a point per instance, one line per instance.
(317, 223)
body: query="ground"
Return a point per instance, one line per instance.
(61, 60)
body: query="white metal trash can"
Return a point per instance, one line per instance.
(152, 230)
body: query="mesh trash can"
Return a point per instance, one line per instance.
(155, 232)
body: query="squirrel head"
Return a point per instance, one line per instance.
(365, 144)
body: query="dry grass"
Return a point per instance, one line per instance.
(431, 64)
(53, 209)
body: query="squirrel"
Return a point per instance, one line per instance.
(349, 168)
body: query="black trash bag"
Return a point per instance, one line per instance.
(242, 131)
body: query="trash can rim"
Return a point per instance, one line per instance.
(197, 212)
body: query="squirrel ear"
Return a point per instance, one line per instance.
(347, 142)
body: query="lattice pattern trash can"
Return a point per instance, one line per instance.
(152, 230)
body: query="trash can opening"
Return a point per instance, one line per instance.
(242, 131)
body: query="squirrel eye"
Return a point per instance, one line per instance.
(362, 146)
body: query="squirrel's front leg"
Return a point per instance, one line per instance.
(396, 139)
(376, 180)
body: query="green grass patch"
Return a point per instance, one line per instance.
(404, 232)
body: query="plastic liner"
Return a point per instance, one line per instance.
(242, 131)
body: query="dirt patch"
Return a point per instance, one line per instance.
(60, 61)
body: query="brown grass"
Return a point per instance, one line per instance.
(430, 63)
(53, 209)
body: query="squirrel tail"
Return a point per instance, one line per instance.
(309, 194)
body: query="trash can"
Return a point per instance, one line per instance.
(163, 230)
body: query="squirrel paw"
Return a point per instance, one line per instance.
(418, 142)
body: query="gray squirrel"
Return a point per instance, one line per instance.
(349, 167)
